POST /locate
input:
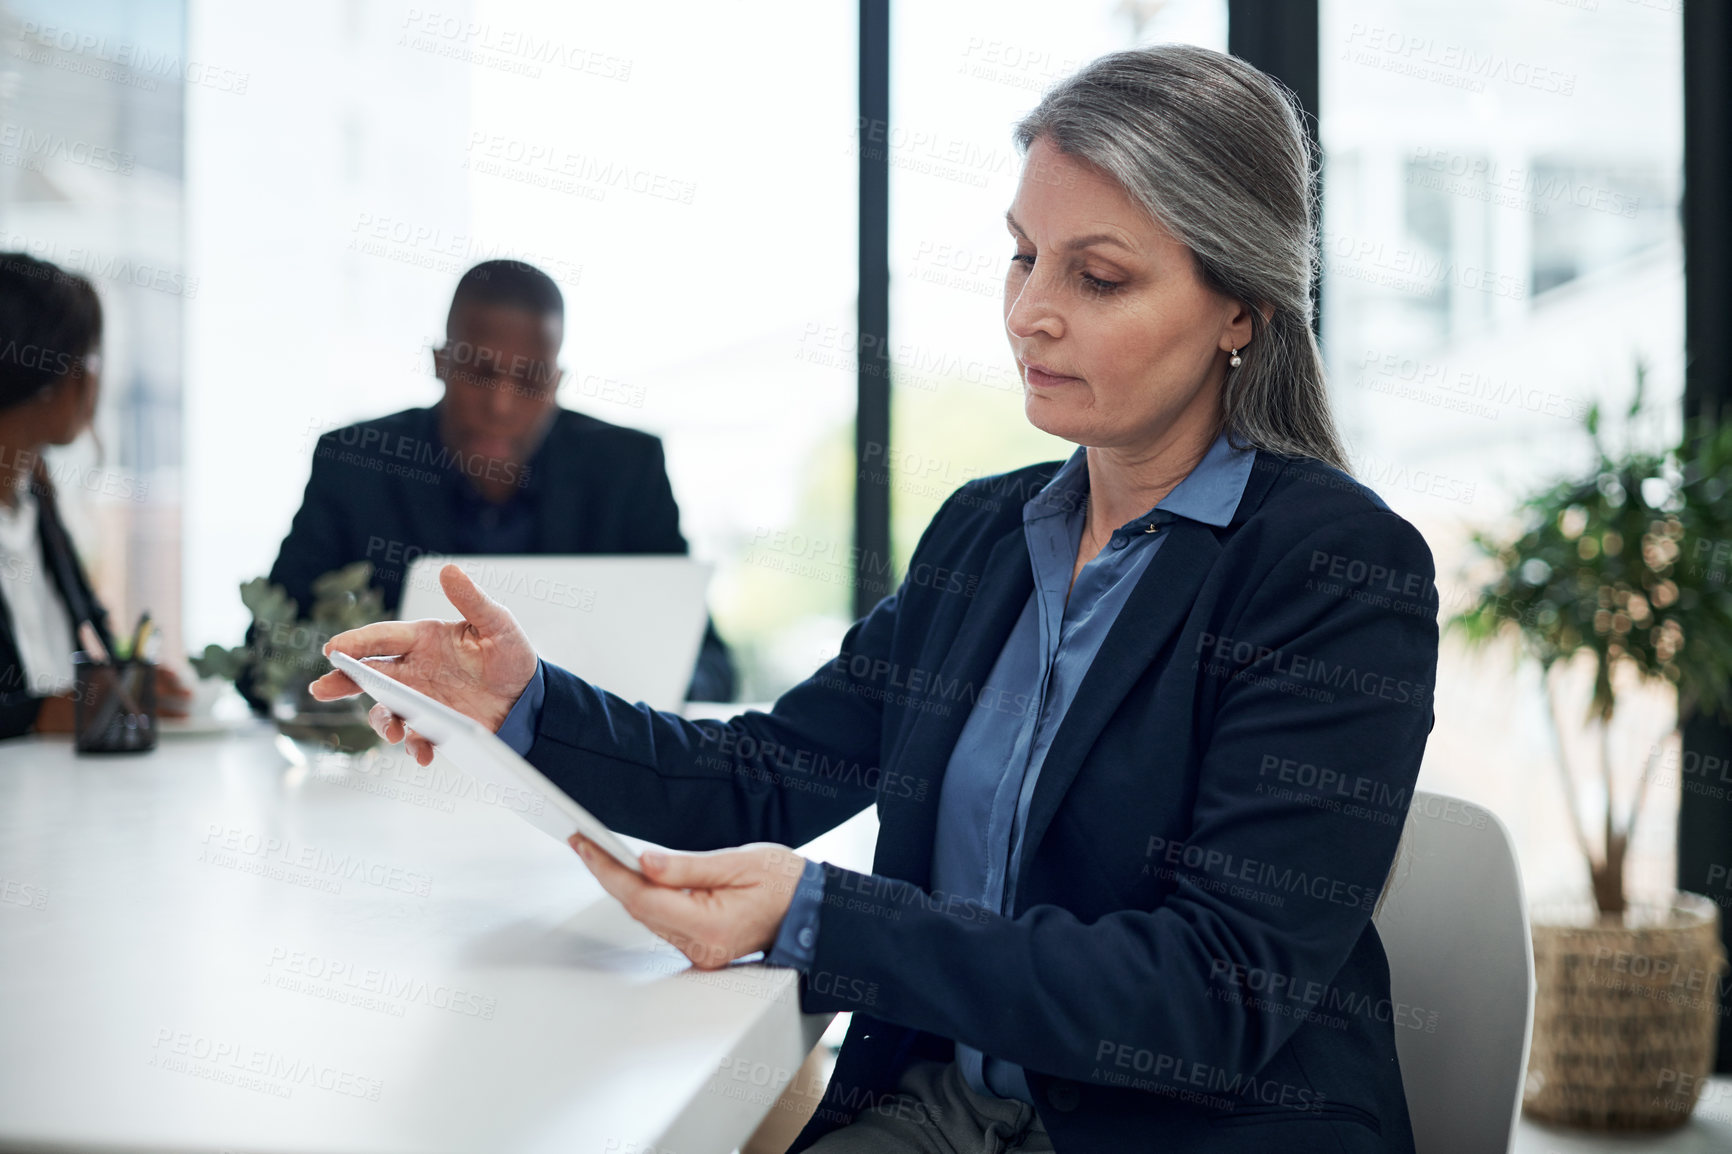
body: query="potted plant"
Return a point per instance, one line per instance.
(284, 654)
(1605, 573)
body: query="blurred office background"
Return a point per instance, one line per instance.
(276, 203)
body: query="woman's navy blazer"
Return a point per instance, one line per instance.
(1191, 964)
(19, 706)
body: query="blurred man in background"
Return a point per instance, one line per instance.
(496, 467)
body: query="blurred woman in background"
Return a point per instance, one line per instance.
(50, 376)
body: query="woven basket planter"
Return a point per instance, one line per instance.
(1625, 1017)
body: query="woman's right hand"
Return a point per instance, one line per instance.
(56, 715)
(478, 666)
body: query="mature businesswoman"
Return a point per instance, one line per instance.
(1140, 727)
(50, 376)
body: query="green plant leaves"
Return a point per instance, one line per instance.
(1629, 563)
(284, 651)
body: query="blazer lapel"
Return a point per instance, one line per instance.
(1006, 582)
(1151, 616)
(560, 490)
(62, 561)
(426, 504)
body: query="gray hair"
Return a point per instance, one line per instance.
(1215, 151)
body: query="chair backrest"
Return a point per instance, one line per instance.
(1461, 974)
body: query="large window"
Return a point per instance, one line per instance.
(328, 223)
(1500, 242)
(713, 216)
(961, 76)
(1501, 250)
(91, 140)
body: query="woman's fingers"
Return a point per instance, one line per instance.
(692, 870)
(490, 618)
(441, 659)
(652, 904)
(332, 686)
(674, 915)
(380, 718)
(390, 727)
(762, 864)
(172, 698)
(622, 883)
(419, 747)
(508, 659)
(713, 906)
(380, 639)
(169, 684)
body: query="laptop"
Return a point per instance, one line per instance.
(630, 624)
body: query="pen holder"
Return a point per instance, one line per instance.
(114, 705)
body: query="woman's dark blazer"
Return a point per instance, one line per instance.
(18, 707)
(1191, 964)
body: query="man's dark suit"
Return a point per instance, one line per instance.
(380, 492)
(1191, 964)
(18, 707)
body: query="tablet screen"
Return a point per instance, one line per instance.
(483, 756)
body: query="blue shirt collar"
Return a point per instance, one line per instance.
(1209, 493)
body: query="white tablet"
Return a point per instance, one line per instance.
(483, 755)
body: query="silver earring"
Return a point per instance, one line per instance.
(1235, 360)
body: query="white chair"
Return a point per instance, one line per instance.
(1455, 926)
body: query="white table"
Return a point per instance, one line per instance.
(208, 948)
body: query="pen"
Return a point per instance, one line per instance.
(92, 642)
(141, 636)
(98, 652)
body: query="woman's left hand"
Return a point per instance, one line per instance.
(713, 907)
(173, 698)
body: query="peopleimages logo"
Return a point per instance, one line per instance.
(321, 976)
(1278, 989)
(39, 146)
(233, 1062)
(372, 446)
(1117, 1059)
(1240, 659)
(149, 64)
(314, 866)
(520, 50)
(1264, 876)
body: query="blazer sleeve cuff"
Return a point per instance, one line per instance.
(518, 728)
(797, 940)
